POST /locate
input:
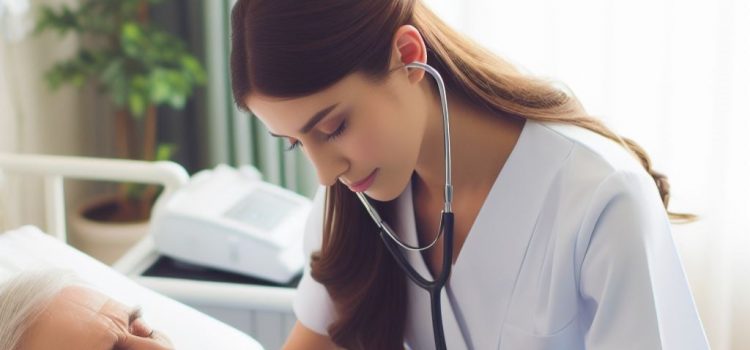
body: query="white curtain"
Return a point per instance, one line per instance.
(675, 77)
(34, 119)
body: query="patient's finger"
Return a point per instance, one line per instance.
(162, 339)
(157, 341)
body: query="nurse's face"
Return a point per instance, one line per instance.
(367, 127)
(81, 318)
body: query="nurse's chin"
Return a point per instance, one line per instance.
(385, 191)
(374, 194)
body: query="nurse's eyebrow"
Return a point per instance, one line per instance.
(317, 117)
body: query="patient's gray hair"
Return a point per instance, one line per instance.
(24, 297)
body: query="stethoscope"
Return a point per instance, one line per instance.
(446, 226)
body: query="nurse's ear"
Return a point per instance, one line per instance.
(408, 46)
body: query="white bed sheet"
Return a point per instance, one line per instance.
(29, 248)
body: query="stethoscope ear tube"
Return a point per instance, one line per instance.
(448, 193)
(448, 189)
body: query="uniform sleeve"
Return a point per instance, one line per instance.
(634, 291)
(312, 305)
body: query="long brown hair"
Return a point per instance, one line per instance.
(288, 48)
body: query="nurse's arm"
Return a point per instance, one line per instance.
(303, 338)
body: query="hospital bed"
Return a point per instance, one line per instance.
(29, 247)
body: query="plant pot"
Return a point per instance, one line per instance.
(102, 240)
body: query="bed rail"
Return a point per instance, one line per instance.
(53, 169)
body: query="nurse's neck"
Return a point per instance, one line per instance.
(481, 141)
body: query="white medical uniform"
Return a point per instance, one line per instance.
(572, 249)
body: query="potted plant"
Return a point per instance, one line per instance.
(138, 67)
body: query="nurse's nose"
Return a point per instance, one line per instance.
(328, 164)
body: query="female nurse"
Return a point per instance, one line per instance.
(561, 231)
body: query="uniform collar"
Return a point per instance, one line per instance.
(479, 290)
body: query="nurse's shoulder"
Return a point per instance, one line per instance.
(597, 172)
(596, 165)
(603, 188)
(595, 153)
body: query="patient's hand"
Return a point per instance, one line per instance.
(81, 318)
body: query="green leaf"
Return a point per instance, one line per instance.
(177, 101)
(137, 64)
(137, 104)
(165, 151)
(119, 91)
(160, 90)
(78, 80)
(192, 69)
(179, 83)
(134, 190)
(131, 37)
(139, 82)
(60, 21)
(111, 72)
(54, 77)
(71, 71)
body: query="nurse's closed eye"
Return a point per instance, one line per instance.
(330, 137)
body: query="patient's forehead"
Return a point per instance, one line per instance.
(81, 297)
(77, 318)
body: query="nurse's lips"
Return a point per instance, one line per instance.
(362, 185)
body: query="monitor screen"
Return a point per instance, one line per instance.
(261, 209)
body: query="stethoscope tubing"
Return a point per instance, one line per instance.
(434, 287)
(394, 244)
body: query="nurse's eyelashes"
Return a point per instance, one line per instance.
(330, 137)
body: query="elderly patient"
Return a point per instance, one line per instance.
(51, 309)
